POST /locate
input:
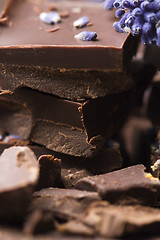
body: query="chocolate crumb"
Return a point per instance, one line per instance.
(3, 20)
(52, 29)
(89, 24)
(64, 14)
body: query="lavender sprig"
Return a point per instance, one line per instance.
(141, 17)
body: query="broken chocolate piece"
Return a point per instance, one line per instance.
(50, 171)
(71, 176)
(74, 128)
(128, 185)
(19, 175)
(63, 203)
(107, 220)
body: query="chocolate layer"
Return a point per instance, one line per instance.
(75, 128)
(65, 83)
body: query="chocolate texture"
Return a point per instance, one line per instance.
(74, 128)
(128, 185)
(19, 176)
(80, 69)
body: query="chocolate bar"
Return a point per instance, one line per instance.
(58, 63)
(74, 128)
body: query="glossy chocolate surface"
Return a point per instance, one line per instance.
(25, 41)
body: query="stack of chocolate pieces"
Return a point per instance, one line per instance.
(69, 95)
(65, 98)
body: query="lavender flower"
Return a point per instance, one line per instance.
(81, 22)
(86, 36)
(51, 17)
(142, 17)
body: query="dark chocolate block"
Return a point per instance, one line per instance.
(75, 128)
(19, 175)
(128, 185)
(81, 69)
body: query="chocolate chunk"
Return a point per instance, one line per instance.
(108, 220)
(15, 119)
(127, 185)
(19, 175)
(63, 203)
(80, 69)
(50, 171)
(74, 128)
(71, 176)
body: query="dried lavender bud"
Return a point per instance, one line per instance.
(86, 36)
(117, 4)
(128, 4)
(119, 13)
(158, 36)
(118, 28)
(50, 17)
(81, 22)
(9, 137)
(150, 17)
(108, 5)
(129, 21)
(136, 12)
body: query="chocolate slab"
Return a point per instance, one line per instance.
(128, 185)
(19, 175)
(81, 69)
(39, 48)
(74, 128)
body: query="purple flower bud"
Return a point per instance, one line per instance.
(108, 4)
(136, 29)
(119, 13)
(117, 3)
(136, 12)
(144, 5)
(123, 19)
(158, 15)
(118, 28)
(50, 17)
(158, 36)
(128, 4)
(86, 36)
(10, 137)
(129, 21)
(81, 22)
(150, 17)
